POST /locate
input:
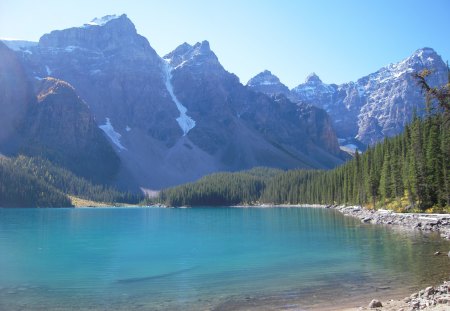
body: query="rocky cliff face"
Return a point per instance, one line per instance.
(177, 118)
(373, 107)
(15, 97)
(114, 70)
(45, 117)
(379, 104)
(241, 127)
(267, 83)
(60, 127)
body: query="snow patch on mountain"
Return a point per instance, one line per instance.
(112, 134)
(71, 48)
(379, 104)
(185, 122)
(188, 55)
(47, 69)
(101, 21)
(349, 147)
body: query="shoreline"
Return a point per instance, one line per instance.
(427, 223)
(435, 298)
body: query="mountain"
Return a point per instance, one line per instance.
(401, 173)
(45, 117)
(174, 119)
(241, 127)
(268, 83)
(377, 105)
(19, 45)
(60, 127)
(15, 96)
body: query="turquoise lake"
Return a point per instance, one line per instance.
(207, 259)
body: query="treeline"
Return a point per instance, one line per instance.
(411, 169)
(220, 189)
(40, 174)
(20, 189)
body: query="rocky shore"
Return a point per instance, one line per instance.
(431, 298)
(411, 221)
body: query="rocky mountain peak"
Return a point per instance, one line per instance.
(268, 83)
(188, 55)
(313, 79)
(425, 52)
(264, 78)
(379, 104)
(420, 59)
(425, 57)
(108, 32)
(202, 47)
(102, 21)
(61, 128)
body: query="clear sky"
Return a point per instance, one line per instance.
(339, 40)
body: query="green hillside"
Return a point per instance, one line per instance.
(36, 182)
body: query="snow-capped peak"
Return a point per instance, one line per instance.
(313, 78)
(264, 78)
(196, 55)
(421, 58)
(424, 52)
(102, 20)
(268, 83)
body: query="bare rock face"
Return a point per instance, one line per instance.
(114, 70)
(373, 107)
(174, 119)
(267, 83)
(61, 128)
(244, 128)
(15, 95)
(379, 104)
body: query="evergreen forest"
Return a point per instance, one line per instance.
(36, 182)
(406, 172)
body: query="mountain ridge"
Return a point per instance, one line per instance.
(175, 118)
(377, 105)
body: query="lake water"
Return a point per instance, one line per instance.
(206, 259)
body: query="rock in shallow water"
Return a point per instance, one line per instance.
(375, 304)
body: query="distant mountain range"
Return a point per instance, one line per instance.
(375, 106)
(100, 101)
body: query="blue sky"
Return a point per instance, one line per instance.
(339, 40)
